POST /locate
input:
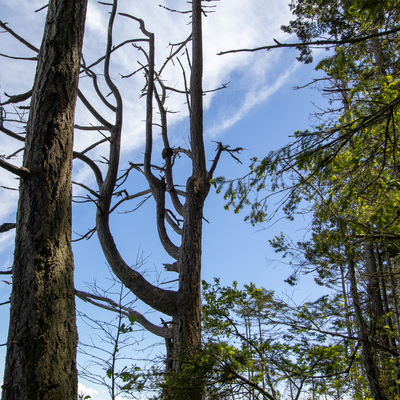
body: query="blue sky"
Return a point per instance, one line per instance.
(258, 112)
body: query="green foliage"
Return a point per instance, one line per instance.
(132, 319)
(353, 154)
(256, 342)
(345, 175)
(84, 397)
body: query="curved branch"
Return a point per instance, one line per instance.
(115, 307)
(130, 197)
(162, 300)
(170, 218)
(92, 75)
(91, 109)
(92, 165)
(92, 192)
(92, 146)
(159, 197)
(167, 154)
(18, 98)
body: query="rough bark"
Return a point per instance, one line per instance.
(188, 329)
(41, 347)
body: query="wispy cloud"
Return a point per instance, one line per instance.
(258, 91)
(235, 24)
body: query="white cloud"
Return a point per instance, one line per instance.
(259, 90)
(235, 24)
(95, 21)
(93, 393)
(99, 395)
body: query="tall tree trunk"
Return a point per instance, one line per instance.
(369, 362)
(395, 309)
(387, 340)
(187, 321)
(375, 293)
(42, 340)
(355, 371)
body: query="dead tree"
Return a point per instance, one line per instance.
(177, 210)
(183, 332)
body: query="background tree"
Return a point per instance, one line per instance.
(42, 340)
(259, 346)
(346, 170)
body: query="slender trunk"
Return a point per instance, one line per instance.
(355, 372)
(396, 313)
(382, 281)
(393, 287)
(374, 291)
(187, 321)
(373, 288)
(387, 340)
(42, 339)
(370, 366)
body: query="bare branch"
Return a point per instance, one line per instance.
(92, 165)
(7, 226)
(92, 75)
(12, 134)
(220, 149)
(130, 197)
(313, 43)
(19, 38)
(92, 110)
(172, 267)
(22, 172)
(92, 192)
(87, 235)
(17, 98)
(91, 128)
(111, 305)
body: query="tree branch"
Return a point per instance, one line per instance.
(22, 172)
(313, 43)
(115, 307)
(7, 226)
(19, 38)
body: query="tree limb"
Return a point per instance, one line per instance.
(7, 226)
(313, 43)
(22, 172)
(164, 332)
(19, 38)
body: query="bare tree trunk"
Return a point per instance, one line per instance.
(187, 321)
(42, 340)
(183, 334)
